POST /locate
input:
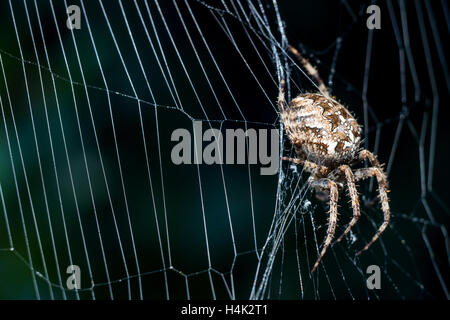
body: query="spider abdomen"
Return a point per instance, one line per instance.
(322, 129)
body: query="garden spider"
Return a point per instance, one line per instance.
(326, 139)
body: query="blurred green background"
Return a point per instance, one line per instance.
(83, 216)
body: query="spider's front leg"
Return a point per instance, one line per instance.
(353, 193)
(311, 70)
(308, 165)
(281, 98)
(332, 219)
(383, 190)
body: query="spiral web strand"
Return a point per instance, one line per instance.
(86, 176)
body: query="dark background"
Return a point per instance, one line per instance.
(410, 251)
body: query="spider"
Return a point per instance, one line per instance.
(326, 139)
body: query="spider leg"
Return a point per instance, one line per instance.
(353, 193)
(281, 98)
(311, 70)
(366, 154)
(384, 200)
(332, 219)
(308, 165)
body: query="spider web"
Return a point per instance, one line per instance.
(86, 175)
